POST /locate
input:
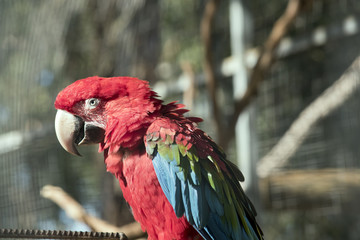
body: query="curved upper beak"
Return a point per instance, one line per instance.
(72, 131)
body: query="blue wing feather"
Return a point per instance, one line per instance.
(190, 199)
(175, 195)
(199, 205)
(213, 201)
(186, 201)
(196, 190)
(170, 184)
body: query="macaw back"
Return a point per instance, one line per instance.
(184, 176)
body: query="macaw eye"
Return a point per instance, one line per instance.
(92, 102)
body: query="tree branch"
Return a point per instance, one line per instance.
(75, 211)
(209, 69)
(189, 93)
(328, 101)
(264, 62)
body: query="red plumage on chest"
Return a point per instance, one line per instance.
(142, 191)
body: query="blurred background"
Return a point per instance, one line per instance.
(201, 53)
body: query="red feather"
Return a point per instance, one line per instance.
(142, 191)
(129, 109)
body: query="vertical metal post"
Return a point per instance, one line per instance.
(239, 27)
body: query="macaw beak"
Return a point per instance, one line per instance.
(72, 131)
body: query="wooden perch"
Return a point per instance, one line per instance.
(331, 99)
(75, 211)
(295, 189)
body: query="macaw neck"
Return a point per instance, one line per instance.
(114, 161)
(128, 121)
(127, 126)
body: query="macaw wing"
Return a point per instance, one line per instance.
(199, 182)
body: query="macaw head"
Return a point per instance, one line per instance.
(111, 111)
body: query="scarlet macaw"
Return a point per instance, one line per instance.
(177, 181)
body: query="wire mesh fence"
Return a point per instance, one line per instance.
(319, 184)
(317, 187)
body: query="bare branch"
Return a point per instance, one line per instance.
(209, 69)
(75, 211)
(189, 93)
(264, 62)
(328, 101)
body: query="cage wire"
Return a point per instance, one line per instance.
(294, 81)
(46, 45)
(319, 184)
(31, 35)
